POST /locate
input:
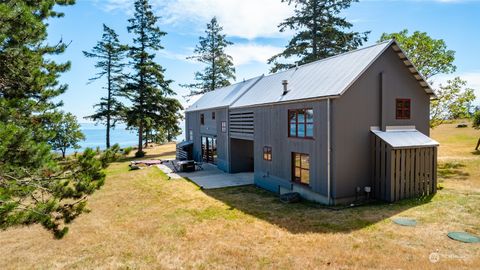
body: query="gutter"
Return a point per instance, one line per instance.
(312, 99)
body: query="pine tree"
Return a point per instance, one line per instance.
(110, 54)
(147, 85)
(320, 32)
(36, 187)
(211, 51)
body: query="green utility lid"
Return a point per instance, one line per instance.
(464, 237)
(405, 222)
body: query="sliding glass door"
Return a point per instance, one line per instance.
(209, 149)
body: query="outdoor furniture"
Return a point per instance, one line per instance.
(199, 166)
(174, 167)
(186, 165)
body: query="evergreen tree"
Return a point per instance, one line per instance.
(320, 32)
(147, 85)
(211, 51)
(35, 187)
(110, 54)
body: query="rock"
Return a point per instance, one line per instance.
(462, 125)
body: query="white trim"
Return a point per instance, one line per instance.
(400, 128)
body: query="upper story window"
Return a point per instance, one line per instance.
(402, 108)
(267, 153)
(213, 115)
(190, 135)
(300, 123)
(224, 126)
(202, 119)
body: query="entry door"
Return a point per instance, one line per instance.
(209, 149)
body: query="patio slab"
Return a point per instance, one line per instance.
(211, 177)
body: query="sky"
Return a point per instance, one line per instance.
(252, 26)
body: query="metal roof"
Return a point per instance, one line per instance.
(222, 97)
(323, 78)
(405, 138)
(329, 77)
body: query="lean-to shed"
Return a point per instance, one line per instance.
(404, 164)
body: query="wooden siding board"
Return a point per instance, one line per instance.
(412, 172)
(407, 173)
(390, 171)
(434, 172)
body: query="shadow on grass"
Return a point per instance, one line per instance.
(452, 170)
(306, 217)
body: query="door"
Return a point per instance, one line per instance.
(209, 149)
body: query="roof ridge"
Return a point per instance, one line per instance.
(333, 56)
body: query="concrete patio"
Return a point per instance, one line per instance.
(210, 177)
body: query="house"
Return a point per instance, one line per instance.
(336, 130)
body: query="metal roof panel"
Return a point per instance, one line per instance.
(327, 77)
(222, 97)
(405, 138)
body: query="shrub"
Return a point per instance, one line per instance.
(139, 154)
(476, 119)
(127, 150)
(110, 155)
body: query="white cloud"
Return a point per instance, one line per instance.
(251, 52)
(246, 18)
(472, 78)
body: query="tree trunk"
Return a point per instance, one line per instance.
(146, 138)
(140, 139)
(478, 144)
(109, 100)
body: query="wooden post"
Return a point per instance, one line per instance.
(478, 144)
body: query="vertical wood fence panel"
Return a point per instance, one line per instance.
(402, 173)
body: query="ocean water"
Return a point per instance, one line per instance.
(95, 136)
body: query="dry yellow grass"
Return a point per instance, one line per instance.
(141, 220)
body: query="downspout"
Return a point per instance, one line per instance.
(328, 153)
(227, 121)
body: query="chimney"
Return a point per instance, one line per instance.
(285, 87)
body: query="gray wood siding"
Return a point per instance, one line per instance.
(271, 129)
(359, 108)
(212, 127)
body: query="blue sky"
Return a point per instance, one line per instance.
(251, 25)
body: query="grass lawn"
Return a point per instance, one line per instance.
(141, 220)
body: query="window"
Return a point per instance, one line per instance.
(300, 123)
(267, 153)
(301, 168)
(224, 126)
(213, 115)
(202, 119)
(402, 108)
(190, 135)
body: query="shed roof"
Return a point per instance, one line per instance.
(405, 138)
(222, 97)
